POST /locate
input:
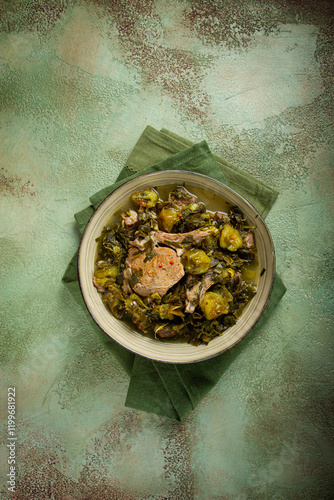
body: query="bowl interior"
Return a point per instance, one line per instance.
(126, 335)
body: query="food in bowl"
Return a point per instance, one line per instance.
(175, 266)
(218, 197)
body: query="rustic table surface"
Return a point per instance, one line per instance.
(80, 80)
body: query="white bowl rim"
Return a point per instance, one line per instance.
(235, 193)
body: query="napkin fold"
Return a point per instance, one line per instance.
(174, 390)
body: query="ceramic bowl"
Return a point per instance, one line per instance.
(173, 351)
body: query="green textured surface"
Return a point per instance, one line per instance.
(80, 81)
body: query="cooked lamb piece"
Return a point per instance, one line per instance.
(196, 293)
(130, 217)
(192, 295)
(248, 240)
(221, 217)
(156, 274)
(207, 281)
(181, 197)
(131, 254)
(191, 238)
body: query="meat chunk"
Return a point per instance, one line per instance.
(248, 240)
(157, 274)
(130, 218)
(207, 282)
(196, 293)
(192, 295)
(131, 254)
(181, 197)
(219, 219)
(191, 238)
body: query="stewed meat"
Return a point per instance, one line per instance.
(191, 238)
(157, 274)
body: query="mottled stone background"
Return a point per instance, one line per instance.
(79, 82)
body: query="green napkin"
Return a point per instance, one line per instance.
(154, 146)
(167, 389)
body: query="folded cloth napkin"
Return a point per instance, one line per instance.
(173, 390)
